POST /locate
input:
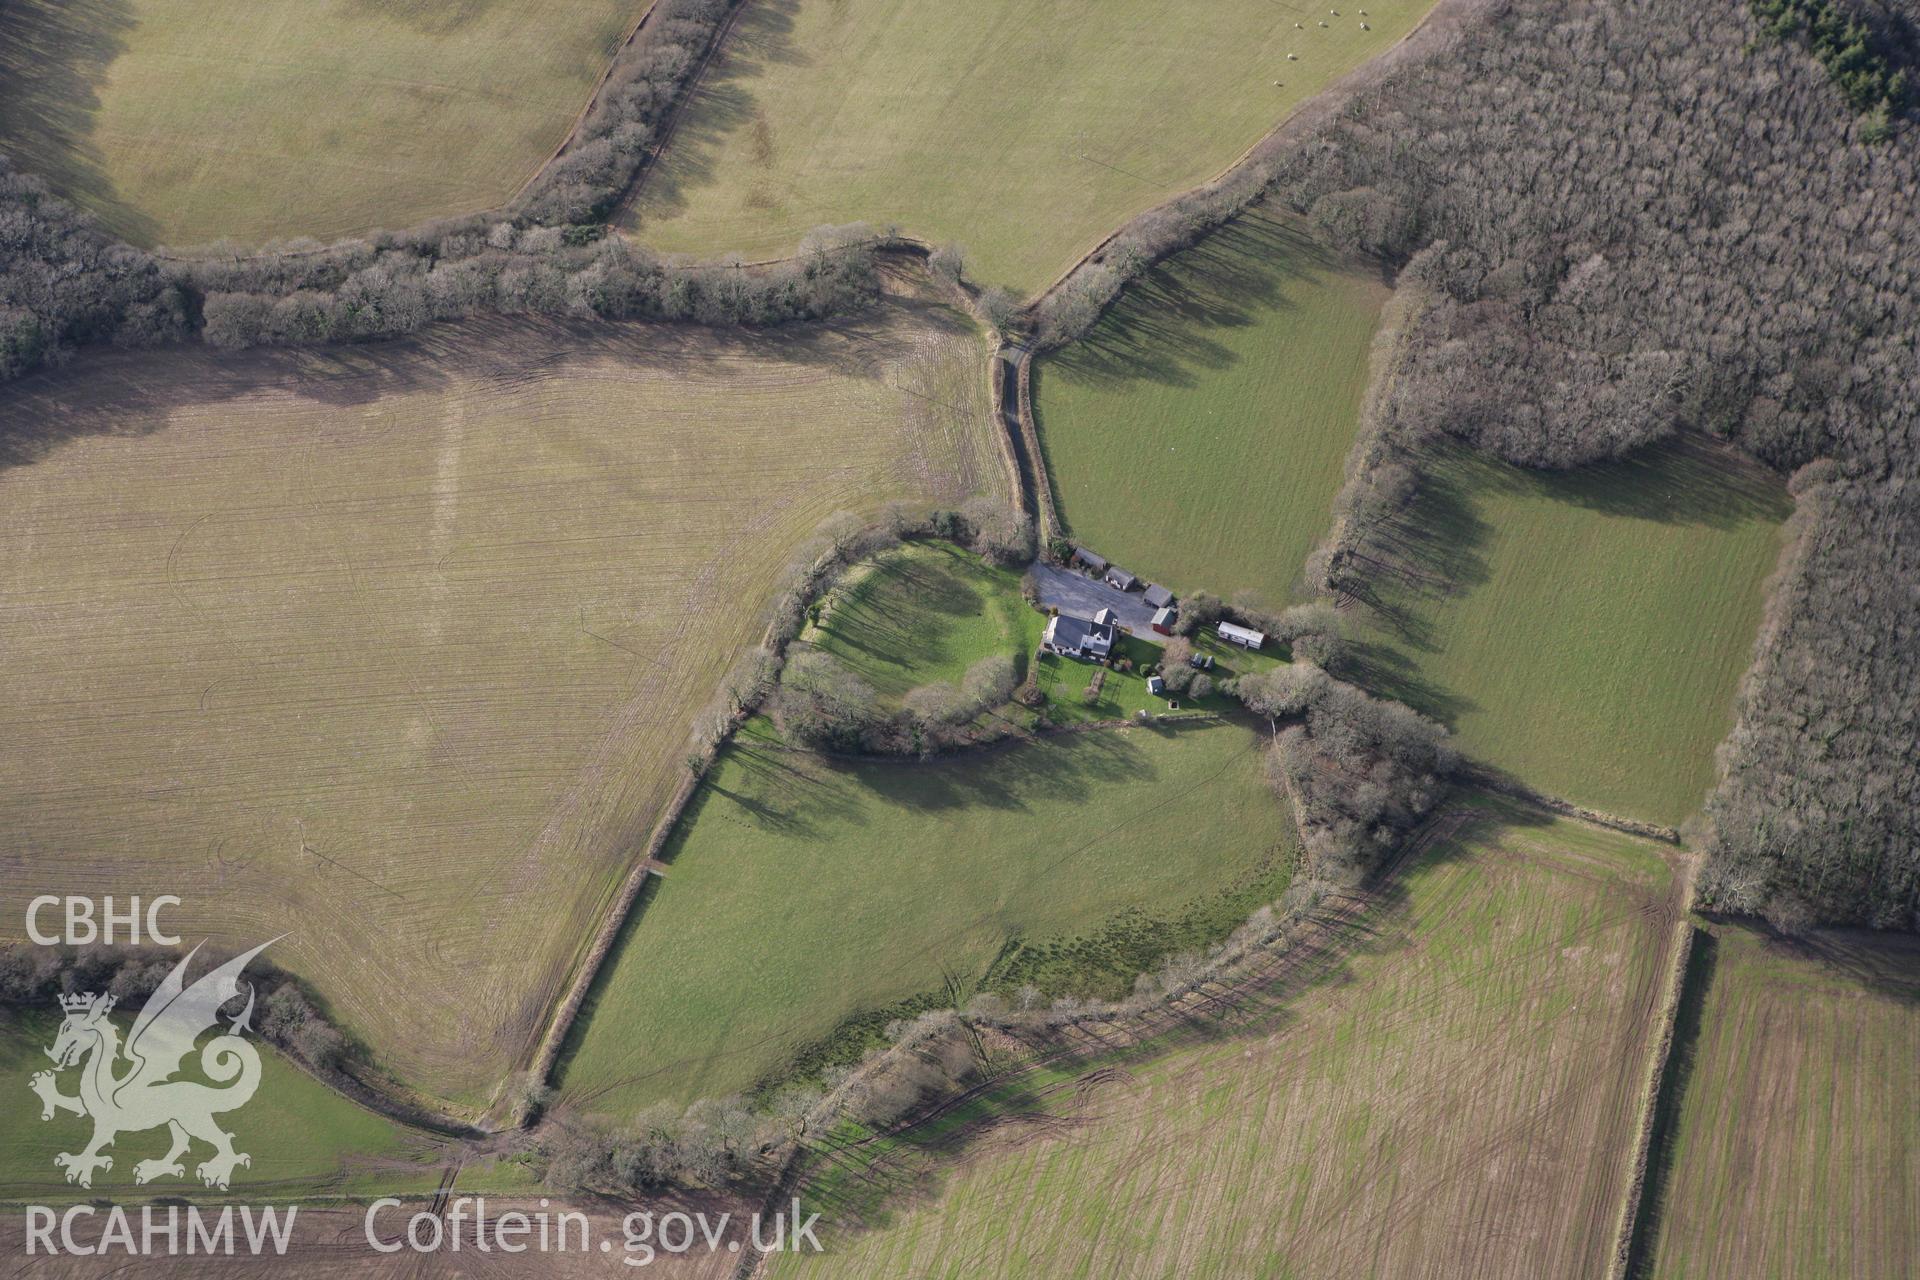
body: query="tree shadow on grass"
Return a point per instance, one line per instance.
(1885, 963)
(720, 106)
(440, 18)
(1389, 672)
(1166, 327)
(1437, 547)
(896, 624)
(54, 56)
(784, 793)
(1684, 479)
(1019, 778)
(1434, 549)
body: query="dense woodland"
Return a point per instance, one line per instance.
(1360, 772)
(1638, 216)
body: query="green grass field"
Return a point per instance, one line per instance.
(1798, 1127)
(185, 121)
(803, 893)
(395, 649)
(305, 1139)
(922, 612)
(1451, 1090)
(1197, 436)
(1025, 131)
(1585, 631)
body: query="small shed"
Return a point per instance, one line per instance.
(1245, 637)
(1118, 577)
(1163, 620)
(1096, 563)
(1156, 686)
(1157, 597)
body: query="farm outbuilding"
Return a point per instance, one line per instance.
(1082, 556)
(1157, 597)
(1245, 637)
(1163, 620)
(1118, 577)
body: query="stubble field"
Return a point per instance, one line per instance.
(1798, 1127)
(395, 650)
(185, 121)
(1026, 132)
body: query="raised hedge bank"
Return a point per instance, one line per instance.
(65, 284)
(285, 1013)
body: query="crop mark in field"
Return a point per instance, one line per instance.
(362, 876)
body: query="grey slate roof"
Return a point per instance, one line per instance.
(1068, 632)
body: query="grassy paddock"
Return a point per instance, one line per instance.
(923, 612)
(1584, 630)
(184, 121)
(1025, 131)
(1198, 434)
(1453, 1092)
(395, 649)
(803, 893)
(305, 1139)
(1798, 1128)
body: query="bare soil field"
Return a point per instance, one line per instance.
(1454, 1091)
(395, 650)
(1796, 1144)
